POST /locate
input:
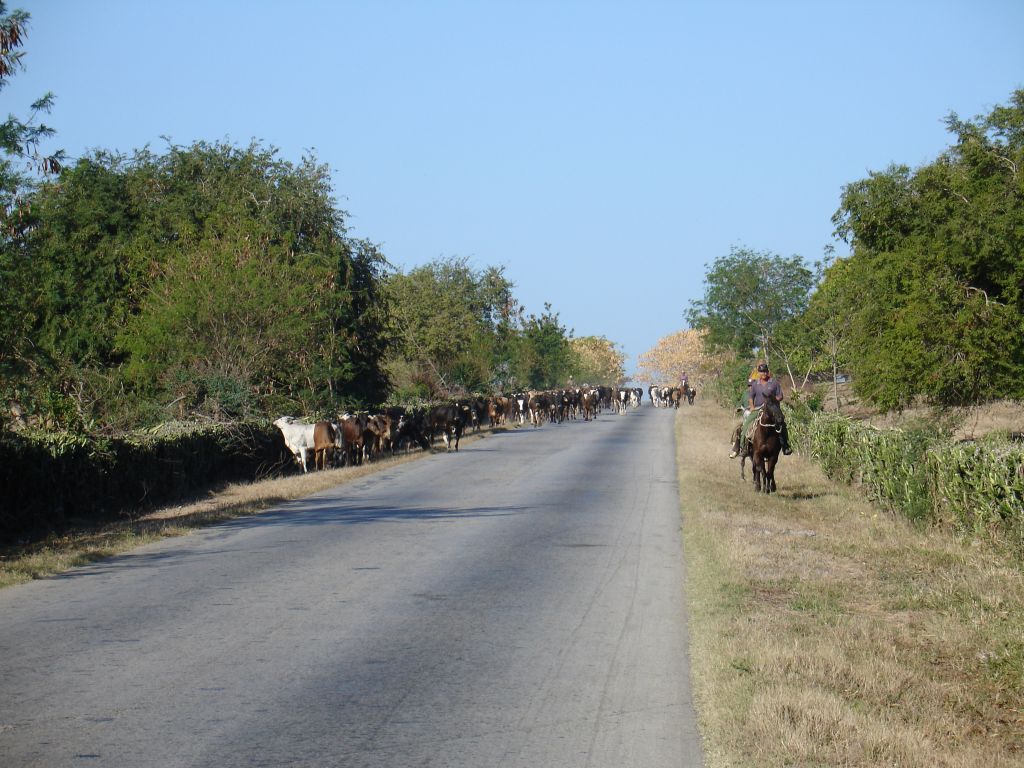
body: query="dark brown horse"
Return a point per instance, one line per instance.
(764, 446)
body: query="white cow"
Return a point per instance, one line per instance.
(298, 436)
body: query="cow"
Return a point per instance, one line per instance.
(654, 392)
(480, 413)
(520, 407)
(324, 443)
(298, 436)
(413, 428)
(497, 410)
(448, 421)
(376, 435)
(539, 407)
(395, 416)
(588, 403)
(470, 411)
(349, 438)
(622, 400)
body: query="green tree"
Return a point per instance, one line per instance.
(453, 323)
(747, 295)
(20, 163)
(935, 284)
(257, 288)
(210, 279)
(546, 357)
(353, 354)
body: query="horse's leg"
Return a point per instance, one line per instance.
(770, 464)
(757, 465)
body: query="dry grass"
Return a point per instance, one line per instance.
(826, 633)
(965, 423)
(89, 543)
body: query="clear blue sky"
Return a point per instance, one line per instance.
(602, 152)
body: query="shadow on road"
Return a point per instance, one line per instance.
(302, 513)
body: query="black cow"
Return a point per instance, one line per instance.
(413, 427)
(448, 421)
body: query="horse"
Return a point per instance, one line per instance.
(763, 447)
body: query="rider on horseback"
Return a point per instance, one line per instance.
(764, 388)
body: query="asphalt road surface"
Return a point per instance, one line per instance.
(519, 603)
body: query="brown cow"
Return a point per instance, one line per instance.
(350, 438)
(502, 410)
(377, 435)
(324, 443)
(589, 404)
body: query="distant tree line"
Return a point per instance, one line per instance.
(929, 304)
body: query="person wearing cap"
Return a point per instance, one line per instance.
(741, 405)
(762, 389)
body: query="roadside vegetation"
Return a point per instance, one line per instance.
(828, 631)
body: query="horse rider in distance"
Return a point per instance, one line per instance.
(764, 387)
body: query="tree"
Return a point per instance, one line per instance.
(19, 157)
(747, 294)
(360, 337)
(826, 324)
(679, 352)
(597, 361)
(210, 280)
(256, 288)
(452, 323)
(545, 356)
(935, 283)
(20, 139)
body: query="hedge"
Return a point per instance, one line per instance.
(51, 480)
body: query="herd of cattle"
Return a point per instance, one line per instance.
(354, 438)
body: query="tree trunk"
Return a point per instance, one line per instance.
(835, 383)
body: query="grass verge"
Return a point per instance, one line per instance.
(827, 633)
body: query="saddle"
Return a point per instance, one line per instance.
(759, 415)
(748, 436)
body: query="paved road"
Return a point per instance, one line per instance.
(517, 604)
